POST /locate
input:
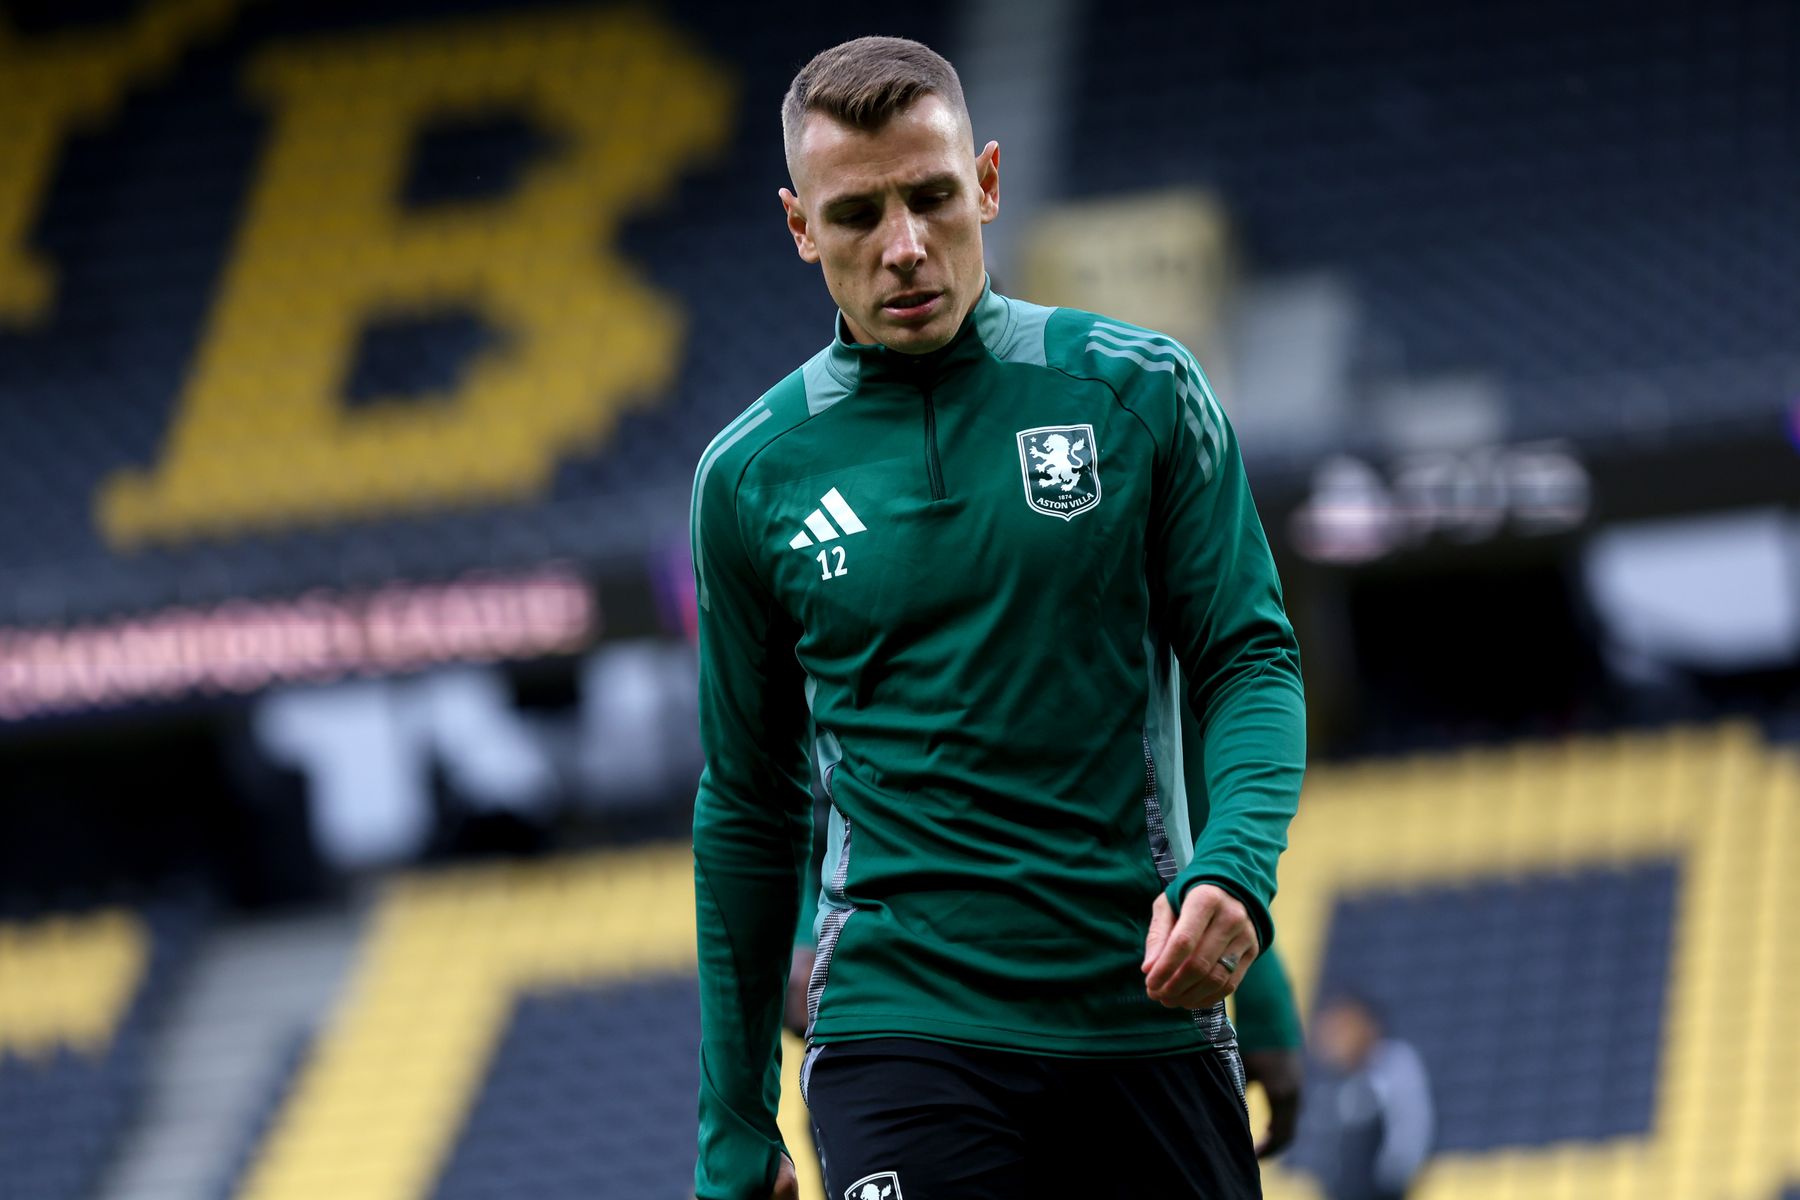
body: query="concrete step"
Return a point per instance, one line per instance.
(253, 989)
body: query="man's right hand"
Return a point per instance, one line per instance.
(787, 1183)
(1186, 956)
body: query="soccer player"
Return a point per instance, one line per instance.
(968, 556)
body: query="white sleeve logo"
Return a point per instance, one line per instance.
(884, 1185)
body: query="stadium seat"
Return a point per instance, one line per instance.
(142, 223)
(1591, 942)
(77, 993)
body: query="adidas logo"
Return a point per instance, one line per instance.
(820, 525)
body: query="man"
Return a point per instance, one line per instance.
(1369, 1132)
(968, 556)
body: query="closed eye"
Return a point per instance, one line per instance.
(855, 218)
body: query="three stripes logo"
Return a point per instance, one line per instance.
(819, 527)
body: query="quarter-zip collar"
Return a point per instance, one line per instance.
(855, 363)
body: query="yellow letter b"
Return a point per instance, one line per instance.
(262, 438)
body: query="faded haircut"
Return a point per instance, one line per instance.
(866, 81)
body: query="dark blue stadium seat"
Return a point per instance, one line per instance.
(1535, 1001)
(1555, 194)
(590, 1093)
(1551, 192)
(61, 1111)
(139, 222)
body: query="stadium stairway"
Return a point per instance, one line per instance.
(1595, 945)
(251, 991)
(507, 1030)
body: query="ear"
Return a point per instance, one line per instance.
(796, 223)
(987, 181)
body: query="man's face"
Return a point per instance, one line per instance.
(894, 218)
(1344, 1034)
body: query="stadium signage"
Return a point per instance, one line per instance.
(262, 435)
(1358, 512)
(244, 646)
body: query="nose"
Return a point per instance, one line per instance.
(905, 248)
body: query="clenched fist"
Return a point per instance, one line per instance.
(1197, 959)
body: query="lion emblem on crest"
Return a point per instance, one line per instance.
(1057, 462)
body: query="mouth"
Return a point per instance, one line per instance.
(911, 306)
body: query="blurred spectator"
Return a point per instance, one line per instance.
(1369, 1122)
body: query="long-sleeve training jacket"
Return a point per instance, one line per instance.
(969, 585)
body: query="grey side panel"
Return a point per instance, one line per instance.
(1234, 1062)
(831, 924)
(1212, 1022)
(1160, 851)
(1215, 1026)
(1162, 730)
(827, 753)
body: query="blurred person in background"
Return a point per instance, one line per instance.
(1029, 533)
(1369, 1120)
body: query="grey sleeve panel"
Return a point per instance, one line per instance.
(1408, 1120)
(1014, 330)
(823, 387)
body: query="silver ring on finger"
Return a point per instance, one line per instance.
(1228, 962)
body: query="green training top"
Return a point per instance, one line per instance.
(1263, 1009)
(964, 581)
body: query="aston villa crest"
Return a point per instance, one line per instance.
(1059, 462)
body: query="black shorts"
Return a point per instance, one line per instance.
(901, 1119)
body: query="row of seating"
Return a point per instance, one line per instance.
(1564, 197)
(94, 387)
(1592, 944)
(1570, 197)
(78, 993)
